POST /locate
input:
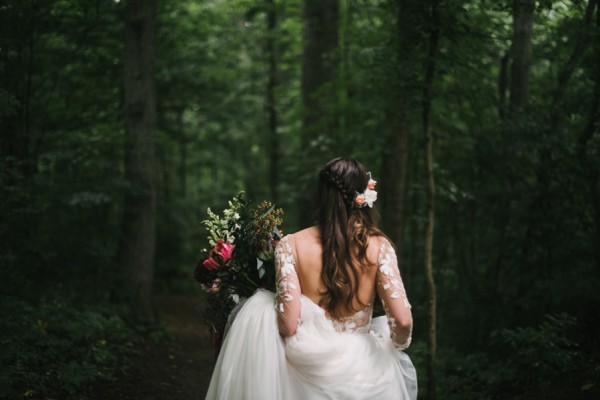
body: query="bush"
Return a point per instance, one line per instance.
(56, 350)
(546, 361)
(522, 363)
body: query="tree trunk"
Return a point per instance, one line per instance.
(428, 248)
(408, 37)
(138, 230)
(503, 86)
(523, 15)
(18, 64)
(319, 64)
(521, 54)
(590, 162)
(183, 153)
(395, 167)
(271, 106)
(567, 70)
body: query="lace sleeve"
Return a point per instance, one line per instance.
(287, 296)
(391, 291)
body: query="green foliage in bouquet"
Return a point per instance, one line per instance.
(241, 257)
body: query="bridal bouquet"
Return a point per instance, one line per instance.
(240, 256)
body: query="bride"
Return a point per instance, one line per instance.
(315, 338)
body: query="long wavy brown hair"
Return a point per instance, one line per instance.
(345, 230)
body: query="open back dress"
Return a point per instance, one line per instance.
(357, 357)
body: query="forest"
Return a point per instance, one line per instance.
(122, 121)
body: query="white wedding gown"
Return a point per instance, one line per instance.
(356, 358)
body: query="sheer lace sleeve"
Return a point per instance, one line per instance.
(287, 296)
(391, 291)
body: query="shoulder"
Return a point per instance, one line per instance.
(383, 242)
(379, 245)
(286, 241)
(310, 232)
(284, 252)
(379, 241)
(283, 243)
(292, 240)
(305, 237)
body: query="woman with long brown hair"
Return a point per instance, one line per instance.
(325, 343)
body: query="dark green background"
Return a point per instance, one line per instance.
(517, 237)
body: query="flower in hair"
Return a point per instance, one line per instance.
(368, 196)
(372, 183)
(360, 200)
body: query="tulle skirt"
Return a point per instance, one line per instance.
(255, 363)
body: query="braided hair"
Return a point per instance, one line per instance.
(345, 230)
(339, 184)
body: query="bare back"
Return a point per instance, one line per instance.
(306, 245)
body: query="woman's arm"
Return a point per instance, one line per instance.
(287, 296)
(391, 291)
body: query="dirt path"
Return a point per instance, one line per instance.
(177, 370)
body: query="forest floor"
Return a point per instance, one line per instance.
(177, 369)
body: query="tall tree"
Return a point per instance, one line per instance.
(591, 129)
(523, 12)
(139, 211)
(522, 30)
(408, 37)
(271, 106)
(434, 35)
(319, 64)
(567, 70)
(17, 66)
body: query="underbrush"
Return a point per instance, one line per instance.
(57, 349)
(524, 363)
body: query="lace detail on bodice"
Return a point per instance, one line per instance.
(358, 322)
(287, 297)
(389, 286)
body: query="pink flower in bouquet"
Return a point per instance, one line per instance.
(225, 251)
(220, 255)
(210, 263)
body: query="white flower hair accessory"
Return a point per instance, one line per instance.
(368, 196)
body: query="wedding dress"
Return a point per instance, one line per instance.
(358, 357)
